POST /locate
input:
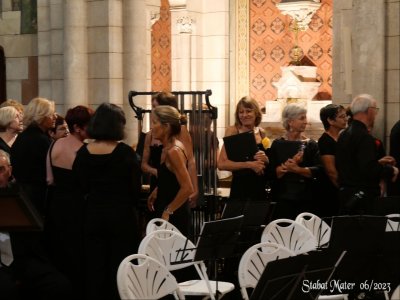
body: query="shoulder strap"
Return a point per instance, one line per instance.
(183, 151)
(50, 150)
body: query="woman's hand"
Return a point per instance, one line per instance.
(257, 166)
(260, 156)
(292, 165)
(152, 198)
(165, 216)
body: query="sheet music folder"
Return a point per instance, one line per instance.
(18, 214)
(241, 147)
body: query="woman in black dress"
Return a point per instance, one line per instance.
(65, 203)
(295, 165)
(248, 181)
(29, 151)
(108, 173)
(334, 119)
(169, 199)
(153, 148)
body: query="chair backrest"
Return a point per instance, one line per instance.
(168, 247)
(175, 252)
(142, 277)
(160, 224)
(294, 236)
(319, 228)
(253, 262)
(393, 222)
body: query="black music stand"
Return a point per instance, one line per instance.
(290, 278)
(255, 217)
(217, 240)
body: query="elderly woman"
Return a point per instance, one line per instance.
(248, 181)
(169, 199)
(28, 153)
(10, 125)
(295, 164)
(60, 130)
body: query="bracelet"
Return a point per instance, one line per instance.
(168, 211)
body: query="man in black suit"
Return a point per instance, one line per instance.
(359, 169)
(26, 272)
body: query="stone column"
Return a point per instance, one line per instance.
(134, 58)
(44, 51)
(75, 54)
(57, 53)
(181, 31)
(362, 24)
(369, 53)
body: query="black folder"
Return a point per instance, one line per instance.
(241, 147)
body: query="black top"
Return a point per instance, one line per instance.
(4, 146)
(394, 187)
(154, 161)
(357, 159)
(108, 179)
(325, 189)
(28, 155)
(293, 186)
(395, 142)
(326, 145)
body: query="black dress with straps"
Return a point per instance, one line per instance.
(168, 187)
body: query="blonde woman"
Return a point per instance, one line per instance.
(248, 181)
(28, 153)
(10, 125)
(169, 199)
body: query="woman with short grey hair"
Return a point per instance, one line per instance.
(294, 165)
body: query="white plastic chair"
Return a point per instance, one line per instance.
(294, 236)
(253, 262)
(167, 247)
(393, 222)
(143, 277)
(160, 224)
(319, 228)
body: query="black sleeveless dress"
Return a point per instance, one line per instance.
(154, 161)
(168, 187)
(64, 226)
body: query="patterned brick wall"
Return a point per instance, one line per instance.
(161, 50)
(271, 42)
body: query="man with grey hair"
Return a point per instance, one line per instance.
(25, 270)
(359, 168)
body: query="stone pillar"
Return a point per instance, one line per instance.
(134, 58)
(369, 53)
(359, 39)
(44, 49)
(75, 54)
(181, 31)
(56, 54)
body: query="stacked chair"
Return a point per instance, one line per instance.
(142, 277)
